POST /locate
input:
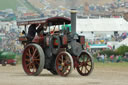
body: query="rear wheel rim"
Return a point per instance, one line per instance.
(86, 64)
(64, 64)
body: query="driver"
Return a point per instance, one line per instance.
(32, 31)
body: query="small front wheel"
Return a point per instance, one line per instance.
(64, 63)
(86, 64)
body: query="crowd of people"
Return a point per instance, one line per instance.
(103, 39)
(9, 41)
(112, 58)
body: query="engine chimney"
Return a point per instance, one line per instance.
(73, 21)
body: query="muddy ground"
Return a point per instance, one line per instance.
(102, 75)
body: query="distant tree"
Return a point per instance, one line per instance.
(122, 49)
(108, 52)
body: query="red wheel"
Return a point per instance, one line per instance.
(64, 63)
(33, 59)
(86, 64)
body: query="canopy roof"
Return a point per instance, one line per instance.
(49, 21)
(58, 21)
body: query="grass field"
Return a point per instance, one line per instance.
(4, 4)
(120, 64)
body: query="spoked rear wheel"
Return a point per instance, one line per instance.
(64, 63)
(86, 64)
(33, 59)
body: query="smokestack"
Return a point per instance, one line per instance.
(73, 20)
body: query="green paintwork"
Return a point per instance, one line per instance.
(7, 55)
(66, 26)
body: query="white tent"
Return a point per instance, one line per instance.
(124, 42)
(102, 25)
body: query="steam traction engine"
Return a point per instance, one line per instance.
(57, 50)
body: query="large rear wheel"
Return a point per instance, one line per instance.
(33, 59)
(86, 64)
(64, 63)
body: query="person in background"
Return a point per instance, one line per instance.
(105, 57)
(102, 57)
(124, 35)
(112, 58)
(125, 58)
(119, 58)
(98, 57)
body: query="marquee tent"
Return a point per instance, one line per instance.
(102, 25)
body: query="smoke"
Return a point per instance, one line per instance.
(72, 4)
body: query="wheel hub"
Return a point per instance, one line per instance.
(31, 60)
(62, 64)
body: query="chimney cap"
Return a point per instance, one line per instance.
(73, 11)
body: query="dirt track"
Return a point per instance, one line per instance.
(14, 75)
